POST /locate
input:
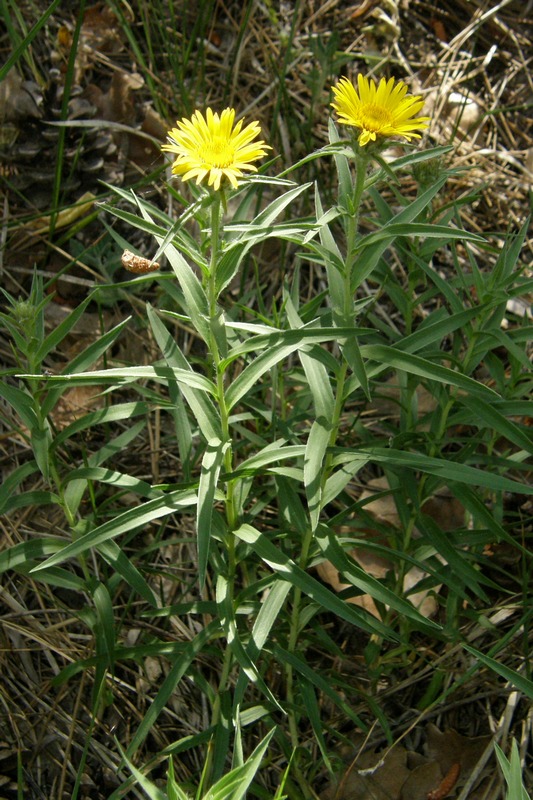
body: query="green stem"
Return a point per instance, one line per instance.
(352, 236)
(218, 348)
(347, 316)
(293, 641)
(344, 316)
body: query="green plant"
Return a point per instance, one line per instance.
(512, 772)
(267, 408)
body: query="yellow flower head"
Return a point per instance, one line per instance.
(378, 110)
(213, 148)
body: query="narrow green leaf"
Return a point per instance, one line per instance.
(443, 468)
(319, 681)
(242, 656)
(315, 452)
(120, 374)
(26, 42)
(352, 353)
(305, 336)
(416, 365)
(517, 680)
(211, 464)
(105, 636)
(203, 409)
(119, 479)
(291, 341)
(74, 491)
(55, 386)
(153, 792)
(357, 576)
(287, 570)
(340, 478)
(315, 718)
(103, 416)
(268, 615)
(60, 331)
(456, 560)
(22, 403)
(195, 297)
(130, 520)
(180, 666)
(112, 553)
(315, 371)
(372, 252)
(495, 420)
(235, 784)
(174, 791)
(15, 556)
(270, 455)
(13, 481)
(427, 230)
(267, 216)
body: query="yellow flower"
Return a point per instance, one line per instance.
(212, 148)
(378, 110)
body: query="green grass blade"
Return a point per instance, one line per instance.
(21, 402)
(321, 683)
(235, 784)
(268, 615)
(496, 421)
(105, 635)
(195, 297)
(242, 656)
(74, 491)
(103, 416)
(60, 331)
(23, 46)
(13, 481)
(287, 343)
(153, 792)
(180, 666)
(15, 556)
(315, 718)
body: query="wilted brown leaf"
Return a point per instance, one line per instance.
(443, 507)
(75, 403)
(372, 776)
(449, 747)
(398, 774)
(19, 99)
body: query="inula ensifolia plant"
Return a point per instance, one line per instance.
(260, 418)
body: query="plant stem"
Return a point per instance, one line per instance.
(346, 318)
(347, 315)
(218, 349)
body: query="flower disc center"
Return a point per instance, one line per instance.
(218, 153)
(375, 117)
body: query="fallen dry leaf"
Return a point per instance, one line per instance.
(372, 775)
(399, 774)
(449, 747)
(75, 403)
(442, 507)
